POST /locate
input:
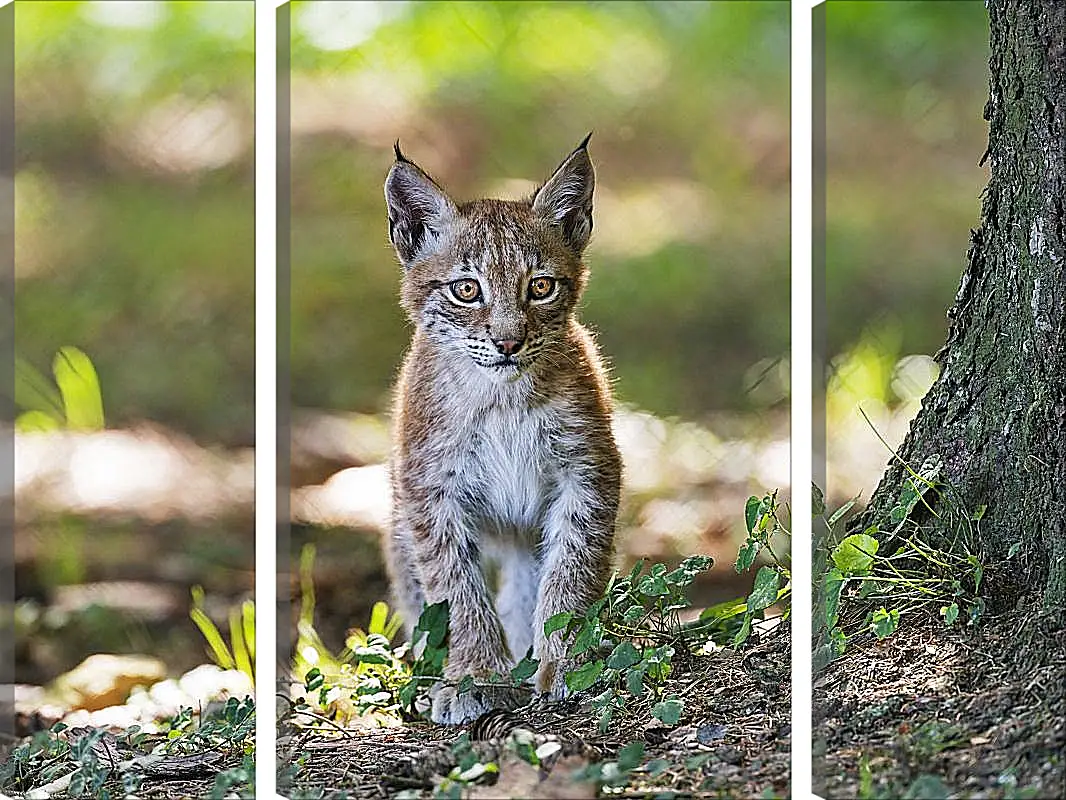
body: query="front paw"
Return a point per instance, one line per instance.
(452, 707)
(551, 678)
(550, 681)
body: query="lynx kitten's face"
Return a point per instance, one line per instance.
(492, 282)
(499, 292)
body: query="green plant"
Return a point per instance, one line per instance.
(895, 567)
(731, 621)
(240, 778)
(623, 644)
(931, 738)
(40, 760)
(366, 677)
(429, 643)
(90, 776)
(70, 762)
(469, 769)
(866, 779)
(72, 402)
(641, 608)
(1008, 779)
(627, 638)
(429, 646)
(240, 652)
(622, 650)
(614, 773)
(231, 729)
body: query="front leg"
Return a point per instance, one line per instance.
(449, 564)
(578, 548)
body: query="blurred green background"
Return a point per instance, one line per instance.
(689, 104)
(906, 84)
(134, 204)
(134, 201)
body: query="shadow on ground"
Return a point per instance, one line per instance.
(733, 739)
(935, 712)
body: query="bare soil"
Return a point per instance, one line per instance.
(974, 712)
(733, 740)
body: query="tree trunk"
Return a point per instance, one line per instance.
(996, 417)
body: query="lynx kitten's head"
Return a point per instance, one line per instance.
(492, 280)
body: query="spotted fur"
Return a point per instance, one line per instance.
(505, 475)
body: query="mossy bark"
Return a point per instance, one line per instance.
(997, 414)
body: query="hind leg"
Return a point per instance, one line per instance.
(516, 598)
(407, 594)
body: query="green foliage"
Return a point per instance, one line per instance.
(240, 652)
(73, 402)
(931, 738)
(623, 643)
(429, 644)
(468, 769)
(950, 613)
(1008, 779)
(368, 677)
(48, 756)
(38, 761)
(884, 623)
(621, 649)
(669, 711)
(91, 774)
(855, 554)
(866, 779)
(616, 772)
(732, 620)
(898, 566)
(585, 676)
(236, 781)
(922, 745)
(231, 729)
(627, 638)
(924, 787)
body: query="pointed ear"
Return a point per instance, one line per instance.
(566, 198)
(418, 209)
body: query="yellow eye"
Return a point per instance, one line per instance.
(541, 287)
(466, 290)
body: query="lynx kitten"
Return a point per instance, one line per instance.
(504, 471)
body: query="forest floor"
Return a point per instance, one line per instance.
(933, 712)
(733, 739)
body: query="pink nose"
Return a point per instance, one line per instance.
(508, 346)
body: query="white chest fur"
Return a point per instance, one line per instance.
(510, 469)
(498, 450)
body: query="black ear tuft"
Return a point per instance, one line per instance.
(584, 142)
(418, 209)
(400, 156)
(565, 199)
